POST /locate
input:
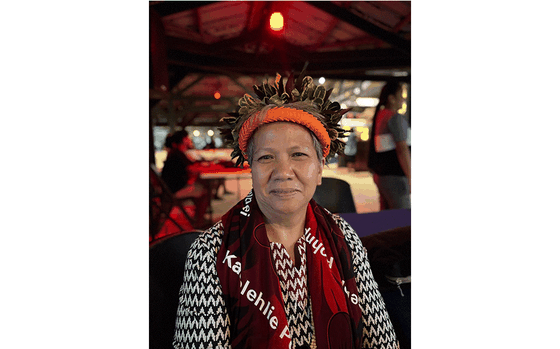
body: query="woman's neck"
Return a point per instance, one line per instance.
(286, 231)
(286, 226)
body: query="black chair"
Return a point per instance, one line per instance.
(162, 202)
(335, 195)
(167, 266)
(389, 254)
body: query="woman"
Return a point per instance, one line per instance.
(180, 177)
(279, 271)
(389, 152)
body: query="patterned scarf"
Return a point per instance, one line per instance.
(252, 291)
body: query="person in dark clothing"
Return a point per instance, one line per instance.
(180, 180)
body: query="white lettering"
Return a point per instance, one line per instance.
(237, 268)
(251, 294)
(330, 262)
(316, 247)
(259, 298)
(353, 297)
(245, 287)
(309, 238)
(245, 209)
(345, 289)
(285, 332)
(228, 258)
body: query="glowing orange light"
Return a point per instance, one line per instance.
(276, 21)
(217, 95)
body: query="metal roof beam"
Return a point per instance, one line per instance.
(348, 71)
(371, 55)
(360, 23)
(166, 8)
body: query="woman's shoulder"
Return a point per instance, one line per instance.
(359, 253)
(350, 234)
(209, 241)
(384, 115)
(398, 120)
(342, 224)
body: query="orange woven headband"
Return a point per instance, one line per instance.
(289, 115)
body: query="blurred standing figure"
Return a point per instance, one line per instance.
(182, 181)
(167, 144)
(351, 149)
(389, 152)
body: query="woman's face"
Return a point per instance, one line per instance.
(285, 168)
(398, 99)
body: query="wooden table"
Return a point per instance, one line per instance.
(221, 172)
(211, 171)
(212, 155)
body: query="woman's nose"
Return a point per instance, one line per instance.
(283, 170)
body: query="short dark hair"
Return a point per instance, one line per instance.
(390, 88)
(176, 138)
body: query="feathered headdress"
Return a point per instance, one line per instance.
(318, 114)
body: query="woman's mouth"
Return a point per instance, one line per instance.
(283, 192)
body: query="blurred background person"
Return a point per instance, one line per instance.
(389, 153)
(180, 176)
(167, 143)
(351, 149)
(211, 145)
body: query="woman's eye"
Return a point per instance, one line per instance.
(265, 157)
(299, 154)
